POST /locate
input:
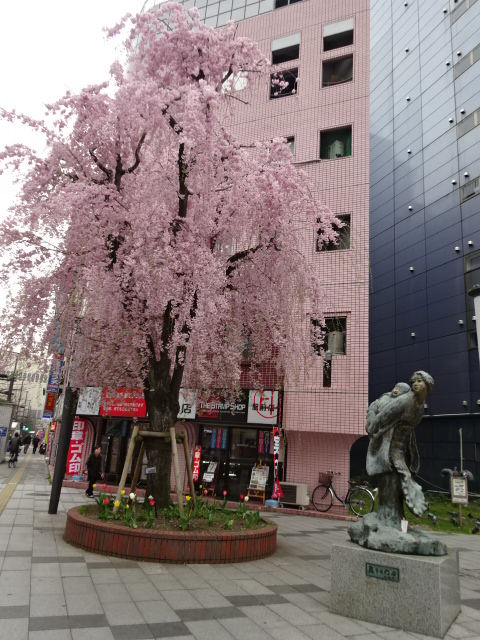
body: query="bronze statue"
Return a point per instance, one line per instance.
(391, 459)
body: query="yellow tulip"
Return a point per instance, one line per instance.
(94, 486)
(188, 498)
(122, 492)
(116, 503)
(128, 506)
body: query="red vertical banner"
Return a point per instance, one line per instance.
(197, 454)
(74, 459)
(261, 441)
(277, 489)
(219, 439)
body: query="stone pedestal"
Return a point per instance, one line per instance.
(412, 593)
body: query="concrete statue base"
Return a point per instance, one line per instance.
(413, 593)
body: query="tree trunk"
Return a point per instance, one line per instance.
(162, 407)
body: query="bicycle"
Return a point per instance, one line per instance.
(359, 498)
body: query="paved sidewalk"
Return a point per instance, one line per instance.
(51, 591)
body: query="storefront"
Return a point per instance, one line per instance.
(232, 437)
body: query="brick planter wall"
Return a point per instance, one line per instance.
(161, 546)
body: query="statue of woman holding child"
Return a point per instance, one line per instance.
(391, 459)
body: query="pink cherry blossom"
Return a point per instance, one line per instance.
(153, 239)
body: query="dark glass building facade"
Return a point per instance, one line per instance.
(425, 218)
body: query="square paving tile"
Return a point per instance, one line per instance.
(132, 632)
(157, 611)
(92, 633)
(78, 585)
(14, 628)
(79, 604)
(57, 634)
(122, 613)
(169, 630)
(48, 606)
(19, 611)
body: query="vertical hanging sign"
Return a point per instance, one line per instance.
(196, 462)
(277, 489)
(74, 459)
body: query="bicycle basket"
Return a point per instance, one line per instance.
(324, 478)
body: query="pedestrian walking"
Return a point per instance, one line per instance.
(94, 470)
(36, 440)
(15, 445)
(26, 442)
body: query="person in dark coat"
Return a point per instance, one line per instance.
(36, 440)
(94, 470)
(26, 442)
(15, 445)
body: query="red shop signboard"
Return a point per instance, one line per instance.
(196, 462)
(77, 442)
(123, 403)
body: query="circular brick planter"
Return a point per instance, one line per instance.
(180, 547)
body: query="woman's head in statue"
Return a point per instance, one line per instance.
(421, 383)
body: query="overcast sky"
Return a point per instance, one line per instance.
(47, 47)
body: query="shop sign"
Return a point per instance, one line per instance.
(217, 409)
(277, 489)
(262, 407)
(77, 441)
(89, 400)
(459, 490)
(123, 403)
(5, 421)
(263, 442)
(187, 400)
(197, 454)
(55, 374)
(50, 402)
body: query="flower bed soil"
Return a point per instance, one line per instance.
(197, 545)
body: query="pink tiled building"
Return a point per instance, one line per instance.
(328, 116)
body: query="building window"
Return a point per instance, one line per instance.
(343, 238)
(336, 143)
(337, 71)
(460, 10)
(329, 336)
(470, 190)
(466, 62)
(291, 144)
(337, 35)
(284, 3)
(468, 123)
(283, 84)
(472, 277)
(286, 49)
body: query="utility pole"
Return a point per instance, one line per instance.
(68, 417)
(12, 380)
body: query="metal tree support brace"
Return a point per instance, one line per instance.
(145, 435)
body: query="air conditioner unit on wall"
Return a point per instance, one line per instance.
(335, 150)
(294, 493)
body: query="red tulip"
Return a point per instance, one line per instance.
(152, 502)
(106, 500)
(241, 496)
(224, 493)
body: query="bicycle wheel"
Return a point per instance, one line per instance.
(361, 501)
(322, 498)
